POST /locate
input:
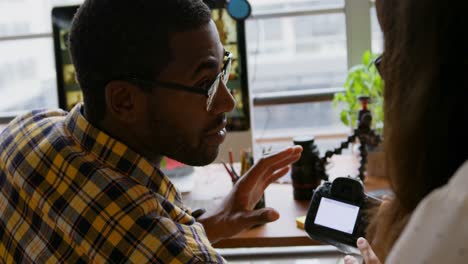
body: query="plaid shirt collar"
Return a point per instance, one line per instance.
(118, 156)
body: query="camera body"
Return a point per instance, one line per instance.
(337, 213)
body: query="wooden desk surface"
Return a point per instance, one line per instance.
(212, 183)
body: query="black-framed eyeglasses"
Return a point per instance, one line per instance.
(210, 93)
(378, 65)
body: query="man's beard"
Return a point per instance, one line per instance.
(171, 142)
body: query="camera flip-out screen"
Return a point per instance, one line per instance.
(337, 215)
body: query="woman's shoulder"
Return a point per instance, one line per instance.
(437, 230)
(460, 178)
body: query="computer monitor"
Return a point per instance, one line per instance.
(232, 35)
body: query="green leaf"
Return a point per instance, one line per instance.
(358, 89)
(344, 117)
(339, 97)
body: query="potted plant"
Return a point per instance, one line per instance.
(364, 79)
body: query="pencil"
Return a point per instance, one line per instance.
(233, 178)
(231, 161)
(231, 158)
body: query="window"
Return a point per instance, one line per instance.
(296, 53)
(27, 68)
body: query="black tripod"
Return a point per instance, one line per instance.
(367, 138)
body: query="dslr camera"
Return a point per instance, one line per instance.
(337, 213)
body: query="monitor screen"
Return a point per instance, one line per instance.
(232, 36)
(337, 215)
(68, 89)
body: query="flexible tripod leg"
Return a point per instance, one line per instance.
(363, 161)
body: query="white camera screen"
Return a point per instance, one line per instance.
(337, 215)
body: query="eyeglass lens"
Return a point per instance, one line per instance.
(227, 72)
(212, 93)
(214, 87)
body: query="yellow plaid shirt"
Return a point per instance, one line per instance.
(71, 193)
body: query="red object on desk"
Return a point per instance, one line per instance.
(173, 164)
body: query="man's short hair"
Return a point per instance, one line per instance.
(116, 38)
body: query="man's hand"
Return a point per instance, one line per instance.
(236, 212)
(367, 254)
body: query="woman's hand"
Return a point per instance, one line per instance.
(367, 254)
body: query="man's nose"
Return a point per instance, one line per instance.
(224, 101)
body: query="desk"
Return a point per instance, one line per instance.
(212, 183)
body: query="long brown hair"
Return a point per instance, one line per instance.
(425, 68)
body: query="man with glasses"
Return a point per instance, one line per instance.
(84, 186)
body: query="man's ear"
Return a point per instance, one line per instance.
(123, 101)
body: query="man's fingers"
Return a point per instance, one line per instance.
(284, 152)
(278, 174)
(268, 166)
(260, 216)
(367, 252)
(269, 160)
(285, 162)
(271, 173)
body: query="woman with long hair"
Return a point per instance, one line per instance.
(425, 68)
